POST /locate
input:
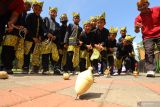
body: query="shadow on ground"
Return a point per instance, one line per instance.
(88, 96)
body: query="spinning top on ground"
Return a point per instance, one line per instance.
(135, 73)
(107, 72)
(66, 76)
(84, 81)
(3, 75)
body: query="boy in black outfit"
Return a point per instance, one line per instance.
(34, 25)
(100, 40)
(71, 42)
(111, 48)
(11, 40)
(86, 38)
(52, 36)
(124, 53)
(63, 30)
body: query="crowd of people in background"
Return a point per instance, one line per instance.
(36, 43)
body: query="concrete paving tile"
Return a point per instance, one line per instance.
(52, 100)
(152, 86)
(8, 98)
(51, 87)
(80, 103)
(55, 100)
(130, 95)
(28, 92)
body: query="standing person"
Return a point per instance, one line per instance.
(124, 53)
(148, 21)
(123, 31)
(34, 25)
(100, 40)
(93, 21)
(63, 30)
(86, 38)
(22, 33)
(71, 42)
(9, 12)
(10, 42)
(111, 48)
(52, 35)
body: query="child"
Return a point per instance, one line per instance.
(11, 40)
(93, 21)
(124, 53)
(100, 39)
(111, 48)
(123, 31)
(86, 38)
(34, 25)
(51, 35)
(71, 42)
(63, 30)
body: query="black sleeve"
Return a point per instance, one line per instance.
(46, 25)
(118, 51)
(106, 38)
(131, 49)
(82, 38)
(94, 38)
(29, 26)
(41, 30)
(57, 34)
(114, 44)
(66, 38)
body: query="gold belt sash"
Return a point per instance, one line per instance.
(83, 53)
(70, 48)
(10, 40)
(46, 48)
(118, 63)
(55, 54)
(20, 53)
(72, 39)
(88, 62)
(75, 59)
(27, 47)
(95, 54)
(36, 55)
(64, 58)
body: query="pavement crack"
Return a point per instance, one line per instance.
(106, 94)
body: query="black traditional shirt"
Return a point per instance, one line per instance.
(72, 34)
(86, 38)
(32, 22)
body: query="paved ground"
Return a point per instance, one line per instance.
(52, 91)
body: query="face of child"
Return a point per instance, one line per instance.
(93, 23)
(76, 20)
(37, 9)
(123, 33)
(112, 36)
(125, 42)
(87, 27)
(53, 14)
(27, 7)
(63, 19)
(100, 24)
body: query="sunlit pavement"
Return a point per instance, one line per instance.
(52, 91)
